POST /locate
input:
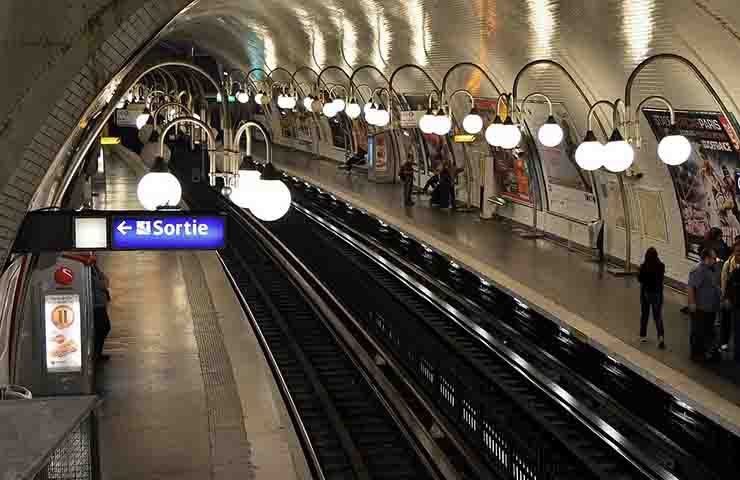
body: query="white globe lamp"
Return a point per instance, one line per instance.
(259, 98)
(427, 121)
(307, 103)
(618, 154)
(493, 132)
(271, 196)
(443, 124)
(244, 194)
(219, 98)
(511, 135)
(367, 107)
(382, 117)
(329, 110)
(473, 123)
(550, 134)
(590, 153)
(242, 97)
(290, 102)
(339, 104)
(674, 150)
(353, 110)
(158, 188)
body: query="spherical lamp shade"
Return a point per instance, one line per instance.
(259, 98)
(329, 110)
(550, 134)
(245, 193)
(618, 154)
(290, 103)
(382, 117)
(442, 125)
(472, 123)
(307, 103)
(368, 106)
(158, 189)
(339, 104)
(271, 200)
(353, 110)
(674, 149)
(281, 101)
(142, 120)
(242, 97)
(426, 124)
(493, 134)
(219, 98)
(590, 155)
(511, 135)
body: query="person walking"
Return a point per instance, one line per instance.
(406, 174)
(730, 316)
(101, 297)
(651, 276)
(704, 303)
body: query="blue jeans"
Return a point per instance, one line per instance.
(651, 301)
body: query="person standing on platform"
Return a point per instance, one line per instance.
(730, 316)
(445, 186)
(704, 303)
(715, 242)
(406, 173)
(651, 276)
(101, 297)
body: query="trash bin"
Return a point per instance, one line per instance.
(14, 392)
(596, 238)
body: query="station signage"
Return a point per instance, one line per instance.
(69, 230)
(168, 232)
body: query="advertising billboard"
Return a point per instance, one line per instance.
(63, 333)
(705, 185)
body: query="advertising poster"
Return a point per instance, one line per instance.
(360, 135)
(63, 328)
(510, 168)
(705, 185)
(338, 137)
(381, 159)
(569, 189)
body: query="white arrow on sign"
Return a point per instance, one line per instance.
(123, 228)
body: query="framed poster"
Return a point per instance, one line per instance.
(63, 333)
(705, 185)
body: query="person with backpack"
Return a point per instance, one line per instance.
(406, 174)
(730, 317)
(651, 276)
(704, 304)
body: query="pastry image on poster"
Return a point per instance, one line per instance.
(63, 328)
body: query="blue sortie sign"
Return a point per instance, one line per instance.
(197, 232)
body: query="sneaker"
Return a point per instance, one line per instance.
(643, 339)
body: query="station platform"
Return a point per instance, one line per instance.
(186, 392)
(579, 293)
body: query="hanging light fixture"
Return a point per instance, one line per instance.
(272, 197)
(382, 117)
(353, 109)
(242, 96)
(219, 98)
(674, 149)
(590, 153)
(493, 132)
(427, 122)
(618, 153)
(244, 195)
(442, 123)
(511, 135)
(339, 104)
(307, 101)
(550, 134)
(260, 98)
(158, 188)
(329, 110)
(473, 123)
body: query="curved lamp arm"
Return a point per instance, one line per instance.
(464, 92)
(535, 95)
(436, 94)
(304, 68)
(331, 67)
(166, 105)
(331, 90)
(504, 97)
(209, 134)
(246, 126)
(592, 110)
(415, 67)
(468, 64)
(258, 69)
(659, 98)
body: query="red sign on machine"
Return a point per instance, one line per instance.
(64, 276)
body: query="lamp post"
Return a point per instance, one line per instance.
(270, 197)
(170, 105)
